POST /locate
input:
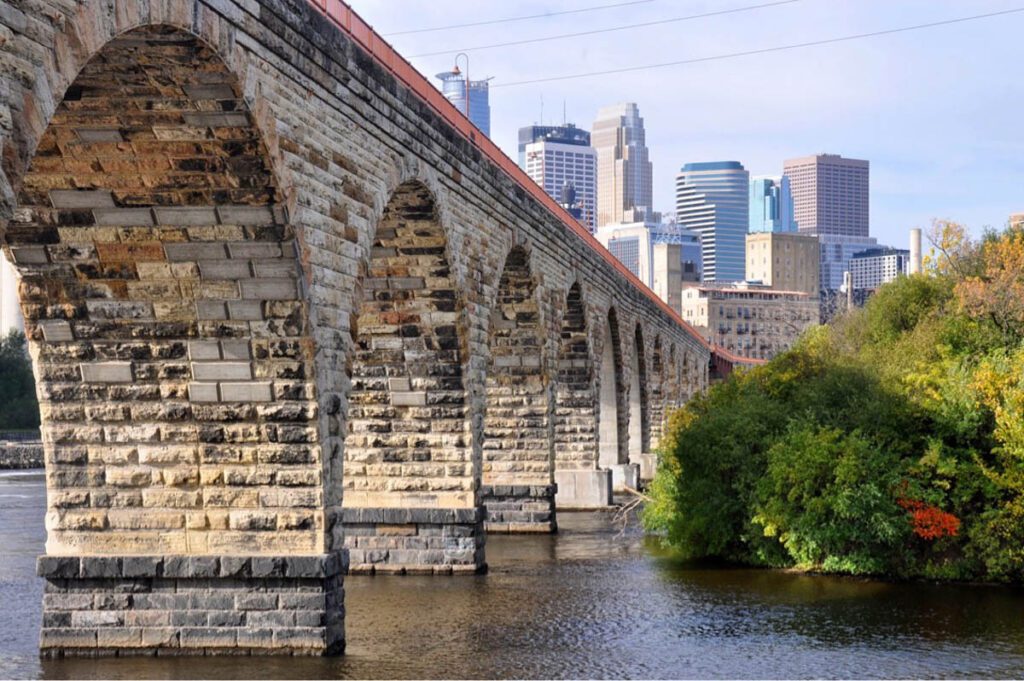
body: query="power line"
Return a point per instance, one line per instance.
(765, 50)
(605, 30)
(524, 18)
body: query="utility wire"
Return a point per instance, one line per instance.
(605, 30)
(524, 18)
(766, 50)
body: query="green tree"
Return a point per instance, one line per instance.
(19, 409)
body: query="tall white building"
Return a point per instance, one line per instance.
(874, 267)
(624, 170)
(713, 200)
(554, 165)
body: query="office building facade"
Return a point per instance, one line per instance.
(830, 195)
(456, 88)
(784, 260)
(712, 200)
(836, 253)
(748, 319)
(874, 267)
(624, 170)
(660, 255)
(560, 134)
(771, 205)
(565, 170)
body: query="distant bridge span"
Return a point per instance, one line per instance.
(289, 309)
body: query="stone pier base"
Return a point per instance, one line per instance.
(583, 489)
(198, 605)
(519, 508)
(414, 540)
(648, 464)
(625, 475)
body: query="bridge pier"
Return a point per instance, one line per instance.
(192, 605)
(414, 540)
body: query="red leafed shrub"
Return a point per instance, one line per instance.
(930, 522)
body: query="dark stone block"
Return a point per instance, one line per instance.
(176, 566)
(203, 566)
(268, 567)
(305, 566)
(235, 566)
(100, 567)
(141, 566)
(54, 567)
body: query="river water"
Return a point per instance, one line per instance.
(590, 602)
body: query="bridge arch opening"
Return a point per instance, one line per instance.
(612, 440)
(408, 457)
(162, 297)
(518, 467)
(639, 426)
(657, 392)
(580, 483)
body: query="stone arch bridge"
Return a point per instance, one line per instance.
(289, 311)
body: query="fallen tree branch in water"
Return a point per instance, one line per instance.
(622, 513)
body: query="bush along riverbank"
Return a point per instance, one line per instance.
(889, 443)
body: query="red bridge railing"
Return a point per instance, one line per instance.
(362, 33)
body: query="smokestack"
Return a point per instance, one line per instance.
(915, 251)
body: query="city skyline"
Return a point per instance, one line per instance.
(806, 101)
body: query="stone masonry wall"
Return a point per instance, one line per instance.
(159, 285)
(199, 196)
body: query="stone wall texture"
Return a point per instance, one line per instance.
(21, 455)
(278, 307)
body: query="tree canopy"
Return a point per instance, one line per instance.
(890, 442)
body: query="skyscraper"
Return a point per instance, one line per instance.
(624, 168)
(453, 87)
(771, 205)
(561, 160)
(713, 200)
(562, 134)
(830, 194)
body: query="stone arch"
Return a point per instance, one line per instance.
(657, 392)
(580, 483)
(613, 437)
(162, 293)
(518, 467)
(408, 453)
(170, 332)
(672, 380)
(639, 442)
(574, 433)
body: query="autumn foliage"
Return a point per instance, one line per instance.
(929, 522)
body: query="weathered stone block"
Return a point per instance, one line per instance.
(107, 372)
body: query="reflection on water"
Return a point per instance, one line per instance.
(589, 602)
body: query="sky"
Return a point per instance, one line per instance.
(938, 111)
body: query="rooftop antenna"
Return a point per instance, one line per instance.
(456, 70)
(563, 113)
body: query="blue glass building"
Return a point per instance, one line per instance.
(453, 87)
(771, 205)
(713, 200)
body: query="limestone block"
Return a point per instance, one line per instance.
(107, 372)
